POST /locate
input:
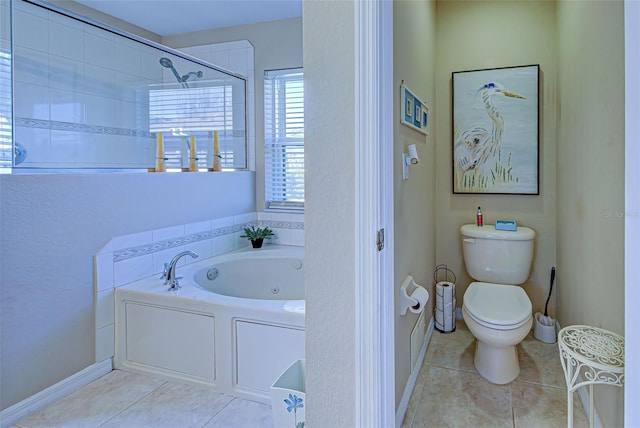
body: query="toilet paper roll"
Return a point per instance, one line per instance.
(447, 308)
(445, 321)
(445, 294)
(420, 296)
(440, 320)
(446, 291)
(440, 304)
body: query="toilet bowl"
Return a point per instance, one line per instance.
(499, 317)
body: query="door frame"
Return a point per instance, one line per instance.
(375, 369)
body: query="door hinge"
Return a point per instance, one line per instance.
(380, 240)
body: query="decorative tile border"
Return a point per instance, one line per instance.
(79, 127)
(128, 253)
(276, 224)
(96, 129)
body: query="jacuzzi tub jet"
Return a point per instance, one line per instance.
(212, 274)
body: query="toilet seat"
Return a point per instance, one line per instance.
(480, 301)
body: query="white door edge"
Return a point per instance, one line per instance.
(375, 372)
(632, 210)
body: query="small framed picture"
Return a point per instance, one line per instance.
(415, 113)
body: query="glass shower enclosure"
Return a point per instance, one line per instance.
(85, 96)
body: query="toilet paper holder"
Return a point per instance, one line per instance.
(413, 296)
(444, 268)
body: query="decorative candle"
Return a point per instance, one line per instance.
(209, 161)
(216, 152)
(184, 154)
(160, 161)
(193, 157)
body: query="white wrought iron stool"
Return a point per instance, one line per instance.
(590, 355)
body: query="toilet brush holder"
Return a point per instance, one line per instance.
(544, 328)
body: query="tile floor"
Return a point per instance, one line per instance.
(121, 399)
(449, 392)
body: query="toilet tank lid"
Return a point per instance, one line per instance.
(488, 231)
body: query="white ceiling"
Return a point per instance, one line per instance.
(168, 17)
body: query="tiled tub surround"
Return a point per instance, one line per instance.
(129, 258)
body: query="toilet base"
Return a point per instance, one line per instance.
(497, 365)
(496, 357)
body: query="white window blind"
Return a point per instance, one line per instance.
(6, 148)
(284, 139)
(182, 112)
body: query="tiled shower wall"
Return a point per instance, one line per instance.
(75, 91)
(128, 258)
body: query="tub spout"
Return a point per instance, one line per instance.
(172, 278)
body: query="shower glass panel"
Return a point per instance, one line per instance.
(87, 96)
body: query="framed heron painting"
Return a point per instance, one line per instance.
(495, 130)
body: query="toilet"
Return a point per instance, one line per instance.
(495, 308)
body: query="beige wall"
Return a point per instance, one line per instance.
(483, 34)
(329, 63)
(277, 44)
(591, 174)
(414, 199)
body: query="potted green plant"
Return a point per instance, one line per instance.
(257, 235)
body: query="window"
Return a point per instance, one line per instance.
(284, 139)
(183, 112)
(6, 149)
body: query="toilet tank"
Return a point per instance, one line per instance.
(497, 256)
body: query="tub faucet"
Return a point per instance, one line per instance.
(172, 278)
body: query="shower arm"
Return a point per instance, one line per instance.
(175, 73)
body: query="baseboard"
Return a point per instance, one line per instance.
(44, 398)
(411, 382)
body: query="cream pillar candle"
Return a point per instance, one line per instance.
(193, 156)
(184, 154)
(216, 152)
(160, 160)
(209, 162)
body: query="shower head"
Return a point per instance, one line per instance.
(166, 62)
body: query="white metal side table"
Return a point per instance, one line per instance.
(590, 355)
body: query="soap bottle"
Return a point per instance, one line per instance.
(479, 218)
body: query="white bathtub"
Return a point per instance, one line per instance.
(237, 338)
